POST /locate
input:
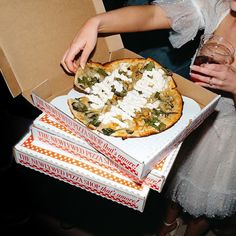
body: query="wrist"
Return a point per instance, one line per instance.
(94, 22)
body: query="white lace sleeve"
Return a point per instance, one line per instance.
(189, 16)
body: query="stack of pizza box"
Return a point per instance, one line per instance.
(54, 150)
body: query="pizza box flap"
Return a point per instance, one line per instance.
(34, 36)
(189, 89)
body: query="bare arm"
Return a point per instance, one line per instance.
(127, 19)
(133, 19)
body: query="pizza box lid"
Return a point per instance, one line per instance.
(34, 36)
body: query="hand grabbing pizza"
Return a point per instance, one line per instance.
(83, 43)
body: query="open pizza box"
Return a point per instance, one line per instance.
(34, 36)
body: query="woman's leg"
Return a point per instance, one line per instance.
(169, 222)
(197, 227)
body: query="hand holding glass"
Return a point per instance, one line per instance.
(214, 49)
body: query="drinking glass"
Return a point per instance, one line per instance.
(214, 49)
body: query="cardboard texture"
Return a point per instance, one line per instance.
(32, 44)
(34, 36)
(89, 176)
(45, 129)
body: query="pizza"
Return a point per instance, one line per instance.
(126, 98)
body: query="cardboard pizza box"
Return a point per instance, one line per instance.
(95, 178)
(47, 130)
(30, 54)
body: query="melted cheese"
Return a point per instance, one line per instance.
(150, 83)
(103, 90)
(118, 86)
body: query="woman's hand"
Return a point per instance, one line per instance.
(216, 76)
(83, 44)
(125, 19)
